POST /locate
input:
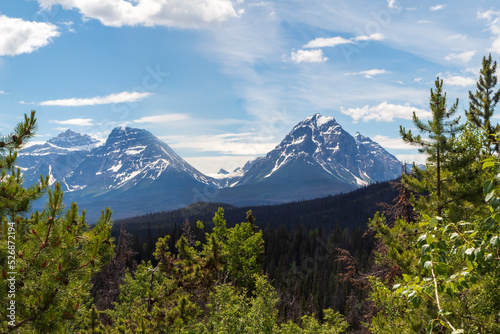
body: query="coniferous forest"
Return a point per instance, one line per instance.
(417, 255)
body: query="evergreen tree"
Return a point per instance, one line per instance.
(483, 102)
(441, 131)
(448, 263)
(48, 257)
(14, 199)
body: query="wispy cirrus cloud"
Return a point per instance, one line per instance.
(412, 158)
(385, 112)
(210, 165)
(493, 18)
(316, 54)
(488, 14)
(370, 73)
(308, 56)
(165, 118)
(247, 143)
(436, 8)
(19, 36)
(463, 56)
(373, 37)
(392, 143)
(149, 13)
(392, 4)
(322, 42)
(75, 121)
(108, 99)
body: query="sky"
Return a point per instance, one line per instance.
(224, 81)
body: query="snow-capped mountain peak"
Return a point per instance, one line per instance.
(130, 156)
(320, 141)
(317, 122)
(57, 157)
(73, 140)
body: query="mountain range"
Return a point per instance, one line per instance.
(135, 173)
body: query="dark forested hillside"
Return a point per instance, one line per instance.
(345, 210)
(301, 242)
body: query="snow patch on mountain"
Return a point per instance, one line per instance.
(135, 150)
(116, 167)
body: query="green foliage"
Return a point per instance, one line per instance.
(482, 103)
(232, 312)
(212, 287)
(449, 260)
(455, 262)
(172, 295)
(54, 251)
(333, 324)
(14, 199)
(441, 131)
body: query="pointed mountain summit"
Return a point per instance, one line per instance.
(223, 171)
(73, 140)
(55, 158)
(374, 161)
(317, 158)
(317, 141)
(129, 157)
(134, 172)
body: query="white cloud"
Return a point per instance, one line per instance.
(227, 143)
(373, 37)
(493, 18)
(412, 158)
(165, 118)
(384, 112)
(437, 7)
(75, 121)
(19, 36)
(463, 57)
(456, 80)
(308, 56)
(423, 22)
(321, 42)
(370, 73)
(417, 79)
(392, 143)
(392, 4)
(2, 92)
(108, 99)
(459, 36)
(210, 165)
(488, 15)
(149, 13)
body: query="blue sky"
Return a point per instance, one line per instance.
(223, 81)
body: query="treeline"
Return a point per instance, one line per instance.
(349, 210)
(345, 211)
